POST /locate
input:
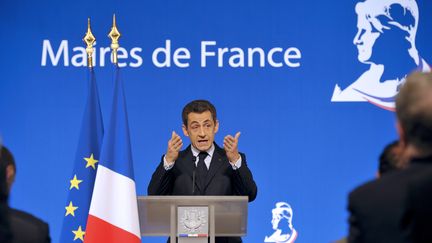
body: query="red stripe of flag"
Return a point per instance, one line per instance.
(99, 231)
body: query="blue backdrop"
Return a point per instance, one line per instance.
(302, 148)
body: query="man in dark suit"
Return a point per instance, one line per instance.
(203, 168)
(381, 210)
(418, 214)
(389, 162)
(25, 227)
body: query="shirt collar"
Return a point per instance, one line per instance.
(210, 151)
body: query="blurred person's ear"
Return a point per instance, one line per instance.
(404, 153)
(10, 176)
(401, 134)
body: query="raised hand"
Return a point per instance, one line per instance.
(231, 147)
(174, 146)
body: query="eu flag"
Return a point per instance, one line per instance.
(113, 215)
(81, 182)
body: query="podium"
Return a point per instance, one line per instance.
(192, 219)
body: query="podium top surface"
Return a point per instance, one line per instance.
(197, 200)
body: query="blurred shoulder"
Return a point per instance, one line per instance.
(21, 217)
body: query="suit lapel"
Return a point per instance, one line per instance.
(217, 161)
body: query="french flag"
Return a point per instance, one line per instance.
(113, 215)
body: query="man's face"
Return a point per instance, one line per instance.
(365, 39)
(201, 129)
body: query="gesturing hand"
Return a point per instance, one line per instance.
(231, 147)
(174, 146)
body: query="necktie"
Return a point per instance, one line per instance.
(202, 170)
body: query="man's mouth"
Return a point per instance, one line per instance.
(202, 141)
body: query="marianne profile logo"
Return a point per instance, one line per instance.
(386, 43)
(282, 224)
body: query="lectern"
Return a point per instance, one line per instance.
(192, 219)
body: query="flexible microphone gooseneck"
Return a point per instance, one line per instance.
(193, 174)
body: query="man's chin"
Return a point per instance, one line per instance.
(203, 147)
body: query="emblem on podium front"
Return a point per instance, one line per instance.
(193, 220)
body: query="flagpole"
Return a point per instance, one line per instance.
(89, 39)
(114, 35)
(113, 215)
(81, 183)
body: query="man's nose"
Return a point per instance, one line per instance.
(201, 132)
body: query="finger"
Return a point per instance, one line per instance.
(170, 144)
(176, 142)
(232, 143)
(175, 139)
(176, 135)
(230, 138)
(178, 146)
(171, 139)
(237, 136)
(227, 146)
(228, 142)
(173, 134)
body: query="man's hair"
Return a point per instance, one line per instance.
(3, 187)
(389, 159)
(5, 232)
(414, 111)
(6, 158)
(198, 106)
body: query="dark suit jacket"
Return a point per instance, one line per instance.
(26, 228)
(221, 179)
(378, 208)
(418, 213)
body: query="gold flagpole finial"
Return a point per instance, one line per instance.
(89, 39)
(114, 34)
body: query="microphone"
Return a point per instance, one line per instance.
(193, 175)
